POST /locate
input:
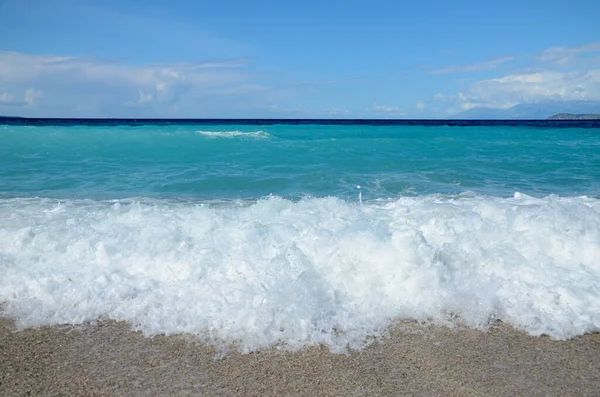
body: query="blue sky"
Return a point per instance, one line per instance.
(319, 59)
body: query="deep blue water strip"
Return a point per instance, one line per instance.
(371, 122)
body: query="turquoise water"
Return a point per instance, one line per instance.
(273, 234)
(252, 161)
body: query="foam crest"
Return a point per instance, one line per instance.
(235, 134)
(321, 270)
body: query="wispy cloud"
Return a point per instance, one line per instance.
(338, 111)
(327, 81)
(565, 55)
(475, 67)
(18, 67)
(555, 56)
(351, 80)
(386, 110)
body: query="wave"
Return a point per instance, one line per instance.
(317, 271)
(235, 134)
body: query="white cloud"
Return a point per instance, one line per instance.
(555, 74)
(29, 97)
(6, 99)
(32, 95)
(541, 86)
(558, 74)
(338, 112)
(111, 88)
(144, 97)
(507, 91)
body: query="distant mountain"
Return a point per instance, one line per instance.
(571, 116)
(537, 111)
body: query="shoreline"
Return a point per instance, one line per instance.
(108, 359)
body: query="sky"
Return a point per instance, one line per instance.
(309, 59)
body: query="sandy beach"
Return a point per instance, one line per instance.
(108, 359)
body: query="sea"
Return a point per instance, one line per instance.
(294, 233)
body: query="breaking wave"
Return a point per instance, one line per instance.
(235, 134)
(316, 271)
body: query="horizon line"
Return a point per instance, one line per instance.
(279, 119)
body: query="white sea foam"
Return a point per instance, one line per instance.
(300, 273)
(235, 134)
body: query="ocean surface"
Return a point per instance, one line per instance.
(264, 233)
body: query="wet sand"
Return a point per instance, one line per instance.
(108, 359)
